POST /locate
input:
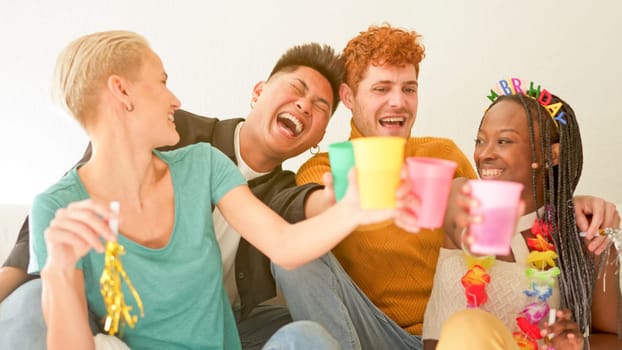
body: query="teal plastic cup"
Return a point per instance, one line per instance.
(341, 157)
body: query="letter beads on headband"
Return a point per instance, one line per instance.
(516, 86)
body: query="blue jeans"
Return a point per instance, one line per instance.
(322, 291)
(21, 319)
(302, 335)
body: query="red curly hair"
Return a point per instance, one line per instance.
(381, 45)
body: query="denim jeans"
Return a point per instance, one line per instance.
(21, 319)
(322, 291)
(302, 335)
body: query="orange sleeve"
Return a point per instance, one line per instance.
(313, 169)
(464, 168)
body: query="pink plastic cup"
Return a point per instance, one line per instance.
(430, 180)
(498, 205)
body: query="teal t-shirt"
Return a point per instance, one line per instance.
(185, 304)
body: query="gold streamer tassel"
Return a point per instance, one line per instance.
(117, 311)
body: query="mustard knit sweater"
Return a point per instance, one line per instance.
(394, 268)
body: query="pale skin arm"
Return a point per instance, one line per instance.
(407, 205)
(71, 234)
(290, 246)
(65, 310)
(320, 200)
(11, 278)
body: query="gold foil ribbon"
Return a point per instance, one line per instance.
(117, 311)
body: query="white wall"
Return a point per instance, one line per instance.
(215, 51)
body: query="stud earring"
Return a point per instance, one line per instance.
(130, 108)
(534, 166)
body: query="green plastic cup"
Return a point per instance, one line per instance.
(341, 157)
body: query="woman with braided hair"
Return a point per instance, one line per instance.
(532, 138)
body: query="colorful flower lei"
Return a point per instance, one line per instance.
(541, 272)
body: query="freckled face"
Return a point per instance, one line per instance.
(386, 101)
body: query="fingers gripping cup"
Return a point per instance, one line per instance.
(378, 163)
(341, 157)
(431, 182)
(498, 205)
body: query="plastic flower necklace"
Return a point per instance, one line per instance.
(541, 272)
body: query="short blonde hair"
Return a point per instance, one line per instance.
(85, 64)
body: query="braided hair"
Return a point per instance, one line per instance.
(558, 184)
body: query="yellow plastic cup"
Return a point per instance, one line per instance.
(378, 161)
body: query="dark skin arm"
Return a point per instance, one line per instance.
(604, 317)
(456, 214)
(13, 274)
(429, 344)
(605, 341)
(11, 277)
(605, 299)
(597, 214)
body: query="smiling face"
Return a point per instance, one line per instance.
(503, 149)
(385, 101)
(290, 114)
(153, 101)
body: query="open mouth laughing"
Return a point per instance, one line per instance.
(290, 123)
(392, 121)
(489, 173)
